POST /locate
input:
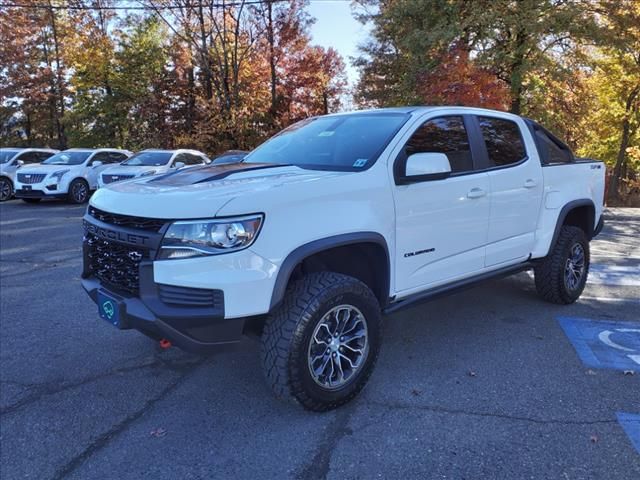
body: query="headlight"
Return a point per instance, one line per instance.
(150, 172)
(57, 176)
(209, 237)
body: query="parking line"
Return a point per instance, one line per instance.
(628, 276)
(631, 425)
(610, 299)
(604, 344)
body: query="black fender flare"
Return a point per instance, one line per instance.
(583, 202)
(304, 251)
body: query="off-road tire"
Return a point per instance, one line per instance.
(550, 272)
(288, 331)
(6, 189)
(73, 196)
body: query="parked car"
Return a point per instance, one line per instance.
(11, 159)
(152, 162)
(230, 156)
(71, 174)
(334, 222)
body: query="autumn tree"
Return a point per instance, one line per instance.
(210, 75)
(613, 127)
(33, 80)
(487, 44)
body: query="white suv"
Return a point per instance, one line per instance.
(11, 159)
(71, 174)
(152, 162)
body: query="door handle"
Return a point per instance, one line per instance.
(530, 183)
(476, 193)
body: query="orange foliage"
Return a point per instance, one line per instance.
(457, 80)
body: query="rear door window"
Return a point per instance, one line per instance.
(503, 141)
(117, 157)
(190, 159)
(44, 155)
(103, 157)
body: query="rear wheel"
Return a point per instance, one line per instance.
(320, 346)
(6, 189)
(78, 191)
(562, 275)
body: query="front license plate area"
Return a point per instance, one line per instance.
(110, 309)
(28, 188)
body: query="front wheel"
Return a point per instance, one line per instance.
(319, 347)
(78, 191)
(6, 189)
(562, 275)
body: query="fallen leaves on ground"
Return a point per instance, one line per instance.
(158, 432)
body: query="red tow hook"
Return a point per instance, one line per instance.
(164, 344)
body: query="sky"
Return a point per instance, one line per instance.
(335, 27)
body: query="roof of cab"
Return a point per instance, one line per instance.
(29, 149)
(422, 109)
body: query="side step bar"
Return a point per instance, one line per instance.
(455, 287)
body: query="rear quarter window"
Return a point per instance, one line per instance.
(550, 151)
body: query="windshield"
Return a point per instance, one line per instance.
(7, 154)
(149, 159)
(346, 142)
(67, 158)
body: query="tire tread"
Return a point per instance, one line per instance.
(281, 336)
(549, 274)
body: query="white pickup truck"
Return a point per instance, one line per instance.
(334, 222)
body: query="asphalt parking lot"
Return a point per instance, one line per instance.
(488, 383)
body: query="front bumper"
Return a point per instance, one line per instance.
(198, 329)
(48, 188)
(199, 304)
(38, 194)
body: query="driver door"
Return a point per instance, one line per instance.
(442, 224)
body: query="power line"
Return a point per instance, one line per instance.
(217, 4)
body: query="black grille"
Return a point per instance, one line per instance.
(148, 224)
(30, 178)
(190, 297)
(115, 178)
(115, 264)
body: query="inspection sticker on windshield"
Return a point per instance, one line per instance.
(361, 162)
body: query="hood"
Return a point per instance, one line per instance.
(132, 169)
(200, 192)
(7, 166)
(39, 168)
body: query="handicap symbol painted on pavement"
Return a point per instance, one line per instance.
(631, 424)
(604, 344)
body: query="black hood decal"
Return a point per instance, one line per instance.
(208, 173)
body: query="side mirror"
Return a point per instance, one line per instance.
(97, 163)
(426, 166)
(178, 165)
(18, 163)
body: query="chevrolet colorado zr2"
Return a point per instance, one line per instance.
(334, 222)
